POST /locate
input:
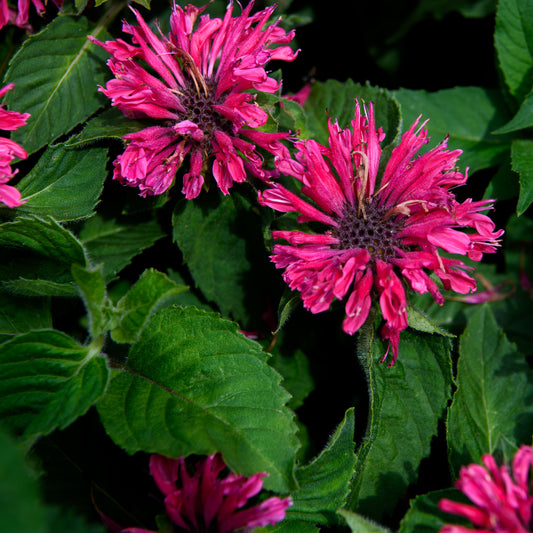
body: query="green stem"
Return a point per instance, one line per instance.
(365, 341)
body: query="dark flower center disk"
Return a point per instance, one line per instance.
(199, 109)
(371, 231)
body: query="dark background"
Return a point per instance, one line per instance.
(393, 44)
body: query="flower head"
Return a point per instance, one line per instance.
(197, 85)
(9, 121)
(210, 501)
(502, 500)
(376, 231)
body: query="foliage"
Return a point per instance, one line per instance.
(159, 325)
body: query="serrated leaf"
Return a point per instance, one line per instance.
(47, 381)
(153, 291)
(467, 114)
(30, 240)
(336, 99)
(424, 515)
(407, 400)
(216, 236)
(421, 322)
(110, 124)
(21, 510)
(193, 384)
(114, 244)
(44, 236)
(19, 314)
(523, 118)
(325, 482)
(65, 183)
(359, 524)
(288, 303)
(56, 73)
(511, 38)
(522, 162)
(494, 396)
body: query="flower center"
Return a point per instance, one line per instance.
(372, 230)
(198, 104)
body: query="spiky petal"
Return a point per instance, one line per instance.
(381, 234)
(198, 85)
(209, 500)
(9, 150)
(502, 500)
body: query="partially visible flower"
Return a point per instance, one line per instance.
(198, 86)
(10, 121)
(19, 17)
(492, 293)
(209, 500)
(502, 500)
(301, 96)
(376, 229)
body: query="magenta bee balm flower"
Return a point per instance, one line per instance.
(19, 16)
(381, 234)
(502, 500)
(198, 86)
(10, 121)
(211, 501)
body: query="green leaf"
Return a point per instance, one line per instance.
(359, 524)
(512, 40)
(325, 482)
(153, 291)
(289, 526)
(44, 236)
(523, 118)
(193, 384)
(504, 183)
(19, 314)
(40, 287)
(110, 124)
(65, 183)
(421, 322)
(216, 237)
(406, 402)
(337, 100)
(21, 510)
(93, 292)
(114, 244)
(297, 378)
(56, 73)
(288, 303)
(64, 519)
(522, 162)
(494, 396)
(467, 115)
(31, 240)
(47, 381)
(424, 515)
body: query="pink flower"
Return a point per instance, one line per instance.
(492, 293)
(198, 85)
(9, 121)
(209, 501)
(377, 229)
(503, 501)
(10, 15)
